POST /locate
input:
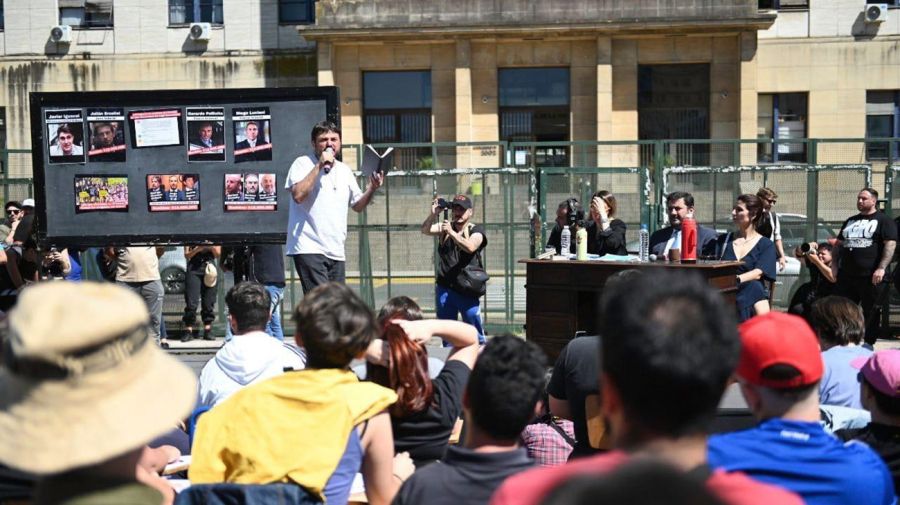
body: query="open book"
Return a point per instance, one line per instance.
(373, 162)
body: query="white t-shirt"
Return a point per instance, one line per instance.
(319, 224)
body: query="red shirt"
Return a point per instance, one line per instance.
(529, 488)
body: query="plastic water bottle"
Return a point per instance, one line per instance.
(581, 244)
(565, 241)
(645, 243)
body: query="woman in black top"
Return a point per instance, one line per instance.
(606, 235)
(427, 409)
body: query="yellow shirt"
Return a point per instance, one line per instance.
(291, 428)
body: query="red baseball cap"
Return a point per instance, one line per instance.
(779, 339)
(882, 371)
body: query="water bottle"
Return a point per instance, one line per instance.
(689, 239)
(565, 241)
(581, 239)
(645, 243)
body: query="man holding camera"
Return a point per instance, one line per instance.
(459, 249)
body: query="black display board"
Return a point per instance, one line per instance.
(170, 166)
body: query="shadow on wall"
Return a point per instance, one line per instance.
(862, 30)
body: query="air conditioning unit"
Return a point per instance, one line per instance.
(200, 31)
(876, 13)
(61, 34)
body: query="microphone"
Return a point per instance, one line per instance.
(327, 166)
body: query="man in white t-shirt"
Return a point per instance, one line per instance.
(321, 190)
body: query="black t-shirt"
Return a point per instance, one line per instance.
(464, 476)
(863, 240)
(23, 233)
(268, 264)
(426, 435)
(574, 378)
(453, 259)
(883, 439)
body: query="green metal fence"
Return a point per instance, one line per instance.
(515, 188)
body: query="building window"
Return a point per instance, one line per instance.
(297, 11)
(781, 117)
(397, 109)
(86, 13)
(893, 3)
(195, 11)
(882, 121)
(534, 107)
(784, 5)
(1, 15)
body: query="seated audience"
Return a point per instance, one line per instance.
(573, 387)
(251, 355)
(548, 439)
(82, 391)
(315, 427)
(500, 398)
(668, 349)
(426, 409)
(881, 397)
(779, 372)
(840, 326)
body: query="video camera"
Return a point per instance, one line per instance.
(574, 212)
(443, 204)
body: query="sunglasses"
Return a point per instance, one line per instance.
(12, 212)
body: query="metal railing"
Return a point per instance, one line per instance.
(515, 188)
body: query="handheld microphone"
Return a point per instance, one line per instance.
(327, 166)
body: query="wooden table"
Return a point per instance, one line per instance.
(563, 297)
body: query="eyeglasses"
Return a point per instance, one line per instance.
(12, 212)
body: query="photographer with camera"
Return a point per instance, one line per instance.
(461, 279)
(822, 280)
(568, 213)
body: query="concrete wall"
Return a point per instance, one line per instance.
(603, 77)
(142, 26)
(377, 14)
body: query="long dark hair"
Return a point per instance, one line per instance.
(754, 208)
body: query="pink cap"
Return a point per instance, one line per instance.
(882, 371)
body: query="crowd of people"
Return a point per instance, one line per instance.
(292, 418)
(350, 407)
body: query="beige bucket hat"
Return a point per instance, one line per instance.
(81, 380)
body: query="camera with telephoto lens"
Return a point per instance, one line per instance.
(574, 212)
(443, 204)
(805, 248)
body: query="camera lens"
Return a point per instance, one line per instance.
(804, 247)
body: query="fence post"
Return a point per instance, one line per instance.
(812, 192)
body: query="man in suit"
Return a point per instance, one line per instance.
(678, 205)
(251, 141)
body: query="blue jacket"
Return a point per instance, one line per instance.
(802, 457)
